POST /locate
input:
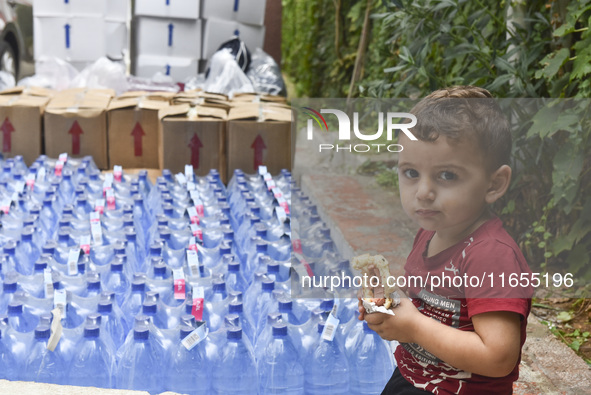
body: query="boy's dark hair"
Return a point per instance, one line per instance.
(461, 111)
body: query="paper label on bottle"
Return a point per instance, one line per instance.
(99, 206)
(181, 179)
(63, 157)
(303, 263)
(19, 186)
(194, 194)
(5, 205)
(30, 181)
(59, 301)
(197, 310)
(189, 172)
(85, 244)
(296, 244)
(271, 184)
(59, 165)
(191, 186)
(193, 263)
(106, 186)
(198, 203)
(48, 283)
(195, 337)
(73, 261)
(276, 192)
(56, 329)
(117, 173)
(262, 170)
(111, 199)
(41, 174)
(109, 178)
(95, 216)
(192, 211)
(97, 233)
(193, 244)
(281, 215)
(332, 323)
(179, 283)
(197, 232)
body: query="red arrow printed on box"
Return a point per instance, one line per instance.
(7, 130)
(75, 131)
(258, 145)
(137, 134)
(195, 145)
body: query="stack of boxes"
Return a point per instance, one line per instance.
(81, 31)
(168, 38)
(226, 18)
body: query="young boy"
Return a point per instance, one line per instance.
(462, 336)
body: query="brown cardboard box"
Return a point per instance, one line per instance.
(196, 138)
(135, 128)
(76, 123)
(21, 122)
(259, 134)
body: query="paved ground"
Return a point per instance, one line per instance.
(366, 218)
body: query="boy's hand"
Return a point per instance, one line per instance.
(401, 326)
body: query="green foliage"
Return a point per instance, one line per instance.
(515, 49)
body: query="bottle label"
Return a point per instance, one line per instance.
(277, 192)
(96, 230)
(281, 215)
(48, 283)
(193, 244)
(179, 283)
(195, 337)
(56, 329)
(192, 211)
(262, 170)
(198, 206)
(194, 194)
(99, 206)
(191, 186)
(59, 165)
(111, 199)
(270, 184)
(63, 157)
(41, 174)
(73, 261)
(197, 232)
(189, 172)
(193, 263)
(330, 327)
(5, 205)
(59, 301)
(19, 186)
(30, 181)
(85, 244)
(283, 203)
(181, 179)
(106, 186)
(117, 173)
(303, 263)
(197, 310)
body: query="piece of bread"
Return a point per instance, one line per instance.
(365, 263)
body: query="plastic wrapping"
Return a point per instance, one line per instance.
(6, 80)
(265, 74)
(51, 73)
(103, 73)
(156, 83)
(225, 75)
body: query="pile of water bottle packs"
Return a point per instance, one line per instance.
(185, 285)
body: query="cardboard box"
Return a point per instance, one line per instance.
(197, 138)
(246, 11)
(117, 42)
(187, 9)
(169, 37)
(76, 123)
(218, 31)
(21, 121)
(178, 68)
(134, 130)
(110, 9)
(259, 134)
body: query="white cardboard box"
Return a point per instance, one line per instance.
(168, 37)
(187, 9)
(218, 31)
(117, 44)
(111, 9)
(179, 68)
(245, 11)
(71, 39)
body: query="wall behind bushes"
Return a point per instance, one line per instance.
(515, 49)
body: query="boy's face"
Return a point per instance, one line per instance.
(443, 186)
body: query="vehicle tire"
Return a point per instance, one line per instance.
(8, 59)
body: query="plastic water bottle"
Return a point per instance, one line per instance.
(234, 277)
(8, 366)
(235, 372)
(27, 252)
(326, 368)
(112, 322)
(116, 281)
(236, 307)
(280, 371)
(93, 365)
(189, 370)
(140, 364)
(132, 304)
(43, 365)
(20, 319)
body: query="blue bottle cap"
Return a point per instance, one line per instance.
(49, 247)
(105, 306)
(327, 304)
(127, 220)
(9, 247)
(219, 285)
(143, 173)
(228, 233)
(185, 331)
(9, 286)
(234, 334)
(272, 267)
(233, 267)
(261, 247)
(119, 246)
(164, 233)
(320, 327)
(91, 331)
(156, 248)
(42, 332)
(130, 234)
(162, 220)
(149, 308)
(63, 234)
(35, 209)
(285, 306)
(40, 264)
(279, 329)
(117, 265)
(236, 308)
(159, 267)
(138, 285)
(268, 285)
(141, 332)
(15, 307)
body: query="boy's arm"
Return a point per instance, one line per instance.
(491, 350)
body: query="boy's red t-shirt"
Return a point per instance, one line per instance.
(490, 255)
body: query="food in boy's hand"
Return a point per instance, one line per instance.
(365, 263)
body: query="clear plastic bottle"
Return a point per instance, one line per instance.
(43, 365)
(140, 364)
(93, 364)
(235, 372)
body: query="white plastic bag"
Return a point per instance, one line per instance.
(226, 76)
(102, 74)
